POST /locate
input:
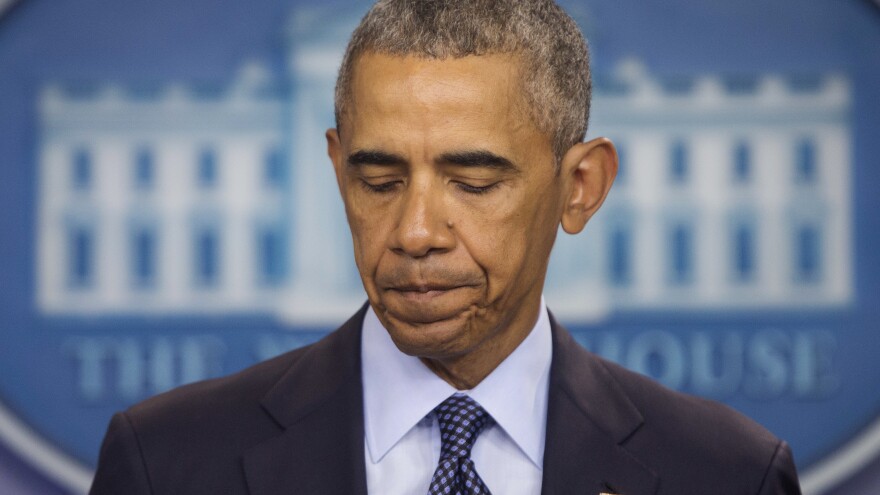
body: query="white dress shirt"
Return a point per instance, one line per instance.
(402, 441)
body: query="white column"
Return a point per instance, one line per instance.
(112, 189)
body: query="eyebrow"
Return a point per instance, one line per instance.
(374, 157)
(478, 158)
(467, 158)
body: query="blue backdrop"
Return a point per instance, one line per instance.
(165, 203)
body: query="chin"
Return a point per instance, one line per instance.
(442, 339)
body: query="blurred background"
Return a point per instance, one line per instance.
(167, 212)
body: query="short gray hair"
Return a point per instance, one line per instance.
(556, 67)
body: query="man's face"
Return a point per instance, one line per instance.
(453, 201)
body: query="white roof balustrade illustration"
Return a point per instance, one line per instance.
(732, 193)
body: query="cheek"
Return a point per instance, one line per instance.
(367, 232)
(496, 239)
(511, 241)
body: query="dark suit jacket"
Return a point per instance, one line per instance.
(294, 425)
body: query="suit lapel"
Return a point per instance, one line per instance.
(319, 405)
(589, 417)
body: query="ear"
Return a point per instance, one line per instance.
(334, 151)
(590, 169)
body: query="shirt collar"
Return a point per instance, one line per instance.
(399, 390)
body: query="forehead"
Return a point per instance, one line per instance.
(476, 97)
(498, 70)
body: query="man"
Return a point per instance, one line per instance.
(458, 153)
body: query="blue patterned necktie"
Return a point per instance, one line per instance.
(461, 420)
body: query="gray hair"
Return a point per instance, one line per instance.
(555, 71)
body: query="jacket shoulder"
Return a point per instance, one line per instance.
(207, 399)
(193, 439)
(681, 414)
(190, 439)
(239, 396)
(695, 442)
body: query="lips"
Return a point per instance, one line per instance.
(429, 302)
(424, 293)
(423, 288)
(425, 283)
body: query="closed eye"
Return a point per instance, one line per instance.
(380, 187)
(471, 189)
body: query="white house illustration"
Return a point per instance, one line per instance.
(733, 193)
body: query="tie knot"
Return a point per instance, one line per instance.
(461, 419)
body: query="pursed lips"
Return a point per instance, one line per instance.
(425, 292)
(421, 303)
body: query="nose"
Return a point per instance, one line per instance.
(423, 225)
